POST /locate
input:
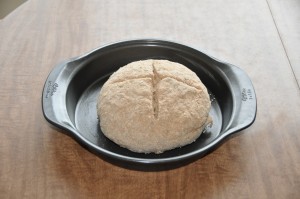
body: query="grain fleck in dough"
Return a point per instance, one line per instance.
(153, 106)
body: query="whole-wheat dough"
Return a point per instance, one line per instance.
(153, 106)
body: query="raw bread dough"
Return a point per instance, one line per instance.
(153, 106)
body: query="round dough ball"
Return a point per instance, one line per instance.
(153, 106)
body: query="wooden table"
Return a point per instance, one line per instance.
(260, 36)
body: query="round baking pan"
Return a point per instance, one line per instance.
(71, 90)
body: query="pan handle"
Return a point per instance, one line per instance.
(53, 98)
(244, 98)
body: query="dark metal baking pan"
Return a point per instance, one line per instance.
(71, 90)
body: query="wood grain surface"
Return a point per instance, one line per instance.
(40, 161)
(286, 17)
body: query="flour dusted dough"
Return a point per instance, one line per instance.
(153, 106)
